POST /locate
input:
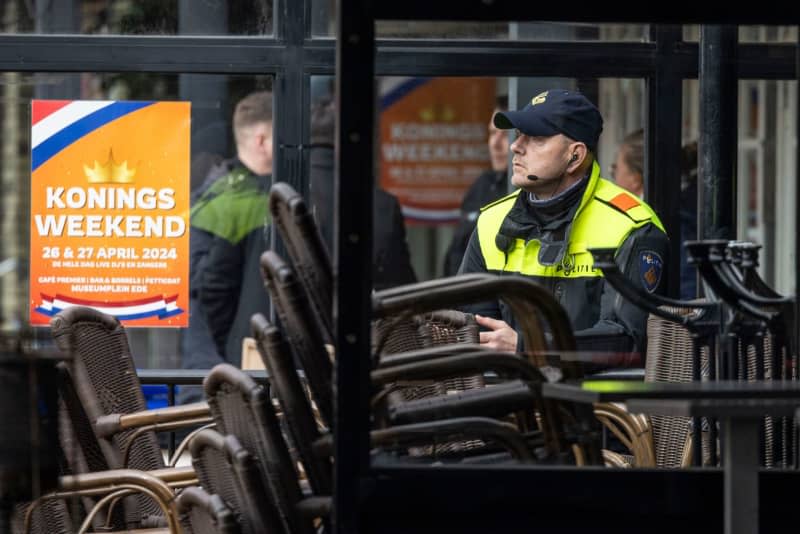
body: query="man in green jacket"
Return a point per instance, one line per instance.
(229, 232)
(564, 208)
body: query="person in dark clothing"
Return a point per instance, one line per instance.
(488, 187)
(564, 208)
(628, 172)
(688, 217)
(228, 233)
(391, 260)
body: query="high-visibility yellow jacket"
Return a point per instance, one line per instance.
(508, 241)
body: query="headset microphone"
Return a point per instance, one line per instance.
(534, 178)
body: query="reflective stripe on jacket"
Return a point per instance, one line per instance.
(606, 217)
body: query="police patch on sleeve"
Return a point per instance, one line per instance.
(650, 268)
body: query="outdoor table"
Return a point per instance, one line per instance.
(740, 406)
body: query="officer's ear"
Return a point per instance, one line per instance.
(578, 155)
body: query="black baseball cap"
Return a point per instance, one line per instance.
(556, 111)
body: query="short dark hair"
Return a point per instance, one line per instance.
(252, 109)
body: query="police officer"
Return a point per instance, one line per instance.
(563, 208)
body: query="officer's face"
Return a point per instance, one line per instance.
(546, 158)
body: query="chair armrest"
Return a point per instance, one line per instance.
(505, 363)
(633, 430)
(495, 401)
(167, 418)
(459, 429)
(176, 477)
(441, 351)
(113, 480)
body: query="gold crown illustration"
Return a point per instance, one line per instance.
(109, 172)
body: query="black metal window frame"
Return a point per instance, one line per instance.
(292, 55)
(367, 498)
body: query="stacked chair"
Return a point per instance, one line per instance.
(112, 461)
(228, 471)
(205, 513)
(740, 331)
(407, 331)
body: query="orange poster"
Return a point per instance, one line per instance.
(110, 210)
(434, 142)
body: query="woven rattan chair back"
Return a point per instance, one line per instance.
(106, 382)
(297, 411)
(302, 328)
(205, 513)
(225, 468)
(79, 445)
(242, 408)
(50, 517)
(307, 252)
(669, 359)
(445, 327)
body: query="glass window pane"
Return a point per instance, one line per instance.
(766, 170)
(212, 98)
(750, 34)
(434, 146)
(323, 15)
(145, 17)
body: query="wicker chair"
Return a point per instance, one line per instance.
(306, 250)
(110, 486)
(51, 517)
(761, 331)
(227, 469)
(107, 389)
(563, 424)
(670, 350)
(314, 273)
(313, 270)
(685, 343)
(82, 457)
(206, 514)
(305, 429)
(242, 408)
(298, 413)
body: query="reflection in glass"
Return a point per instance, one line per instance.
(750, 34)
(143, 17)
(323, 19)
(420, 124)
(212, 98)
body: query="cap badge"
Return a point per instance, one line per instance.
(540, 98)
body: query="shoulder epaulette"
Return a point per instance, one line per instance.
(625, 203)
(500, 200)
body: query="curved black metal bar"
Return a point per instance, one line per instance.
(745, 255)
(504, 434)
(718, 257)
(536, 311)
(604, 260)
(500, 362)
(529, 302)
(704, 254)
